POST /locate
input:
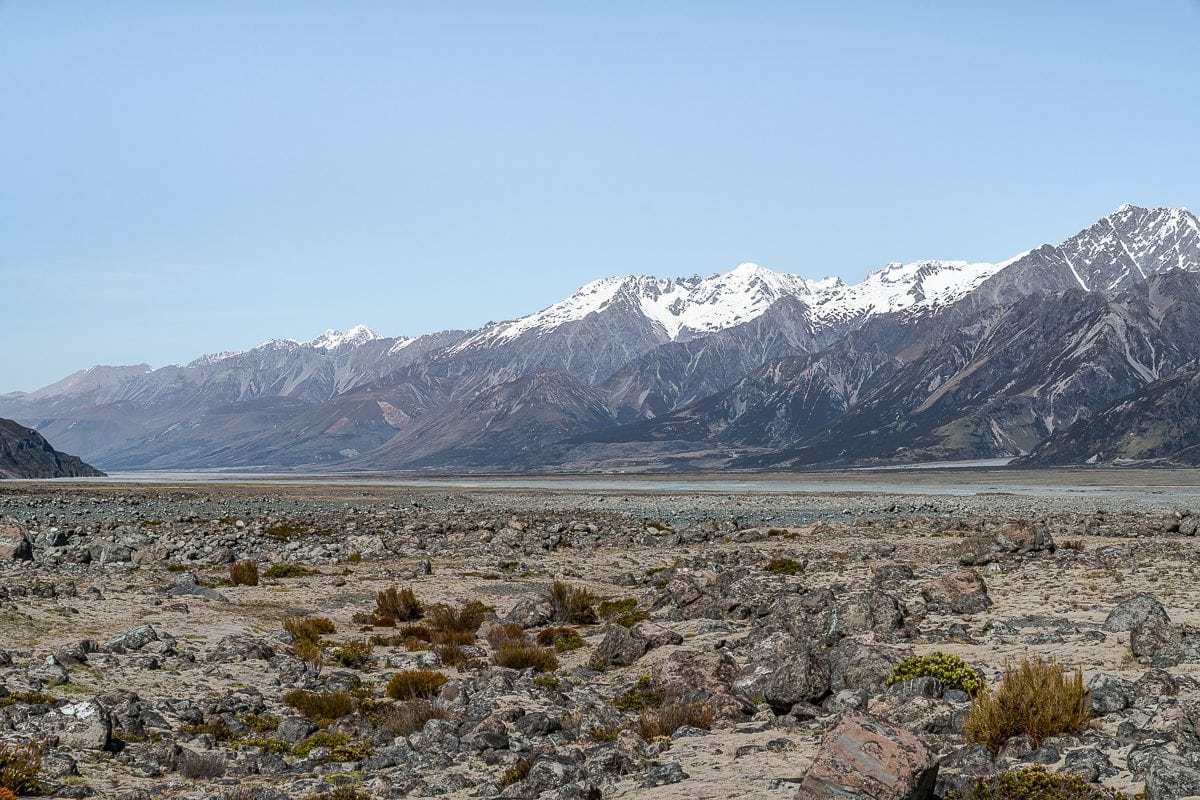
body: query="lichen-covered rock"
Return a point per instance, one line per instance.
(863, 756)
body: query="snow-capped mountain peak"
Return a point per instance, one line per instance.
(333, 339)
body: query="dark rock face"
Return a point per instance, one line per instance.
(25, 453)
(863, 756)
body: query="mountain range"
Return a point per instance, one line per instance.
(1083, 352)
(25, 453)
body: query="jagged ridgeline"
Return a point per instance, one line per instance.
(933, 360)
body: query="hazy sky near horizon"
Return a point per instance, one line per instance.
(187, 177)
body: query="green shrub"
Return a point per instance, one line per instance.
(784, 566)
(572, 604)
(261, 723)
(341, 748)
(243, 573)
(415, 683)
(353, 653)
(517, 655)
(215, 728)
(547, 681)
(268, 744)
(561, 639)
(347, 791)
(623, 612)
(1034, 783)
(284, 532)
(1035, 699)
(19, 766)
(644, 695)
(28, 698)
(320, 707)
(951, 670)
(286, 569)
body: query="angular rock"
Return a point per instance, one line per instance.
(866, 757)
(85, 725)
(801, 678)
(13, 544)
(620, 647)
(132, 640)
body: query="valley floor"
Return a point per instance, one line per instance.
(124, 648)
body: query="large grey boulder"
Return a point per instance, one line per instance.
(1134, 612)
(863, 756)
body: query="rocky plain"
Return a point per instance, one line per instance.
(275, 640)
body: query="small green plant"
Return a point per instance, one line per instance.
(261, 723)
(321, 707)
(243, 573)
(784, 566)
(268, 744)
(572, 604)
(1034, 783)
(623, 612)
(563, 640)
(286, 569)
(547, 681)
(354, 557)
(1034, 698)
(516, 773)
(517, 655)
(645, 695)
(340, 747)
(404, 718)
(605, 734)
(347, 791)
(353, 654)
(216, 728)
(19, 766)
(951, 670)
(415, 684)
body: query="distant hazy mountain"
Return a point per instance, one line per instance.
(25, 453)
(932, 359)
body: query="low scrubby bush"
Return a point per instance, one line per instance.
(286, 569)
(408, 717)
(1034, 783)
(516, 773)
(784, 566)
(645, 695)
(952, 671)
(19, 766)
(561, 639)
(415, 684)
(1035, 698)
(310, 628)
(508, 632)
(243, 573)
(623, 612)
(457, 625)
(572, 604)
(353, 653)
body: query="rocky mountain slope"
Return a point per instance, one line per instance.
(933, 359)
(25, 453)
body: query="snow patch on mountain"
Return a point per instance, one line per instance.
(333, 339)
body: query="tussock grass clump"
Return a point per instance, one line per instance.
(19, 767)
(645, 695)
(216, 728)
(321, 707)
(414, 684)
(518, 655)
(952, 671)
(1034, 783)
(340, 746)
(201, 766)
(455, 624)
(508, 632)
(623, 612)
(243, 573)
(286, 569)
(784, 566)
(672, 716)
(347, 791)
(28, 698)
(402, 719)
(572, 604)
(516, 773)
(1073, 544)
(399, 605)
(310, 628)
(561, 639)
(354, 653)
(1035, 698)
(261, 723)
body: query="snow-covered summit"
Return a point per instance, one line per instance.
(333, 339)
(683, 308)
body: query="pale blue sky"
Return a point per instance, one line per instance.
(185, 177)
